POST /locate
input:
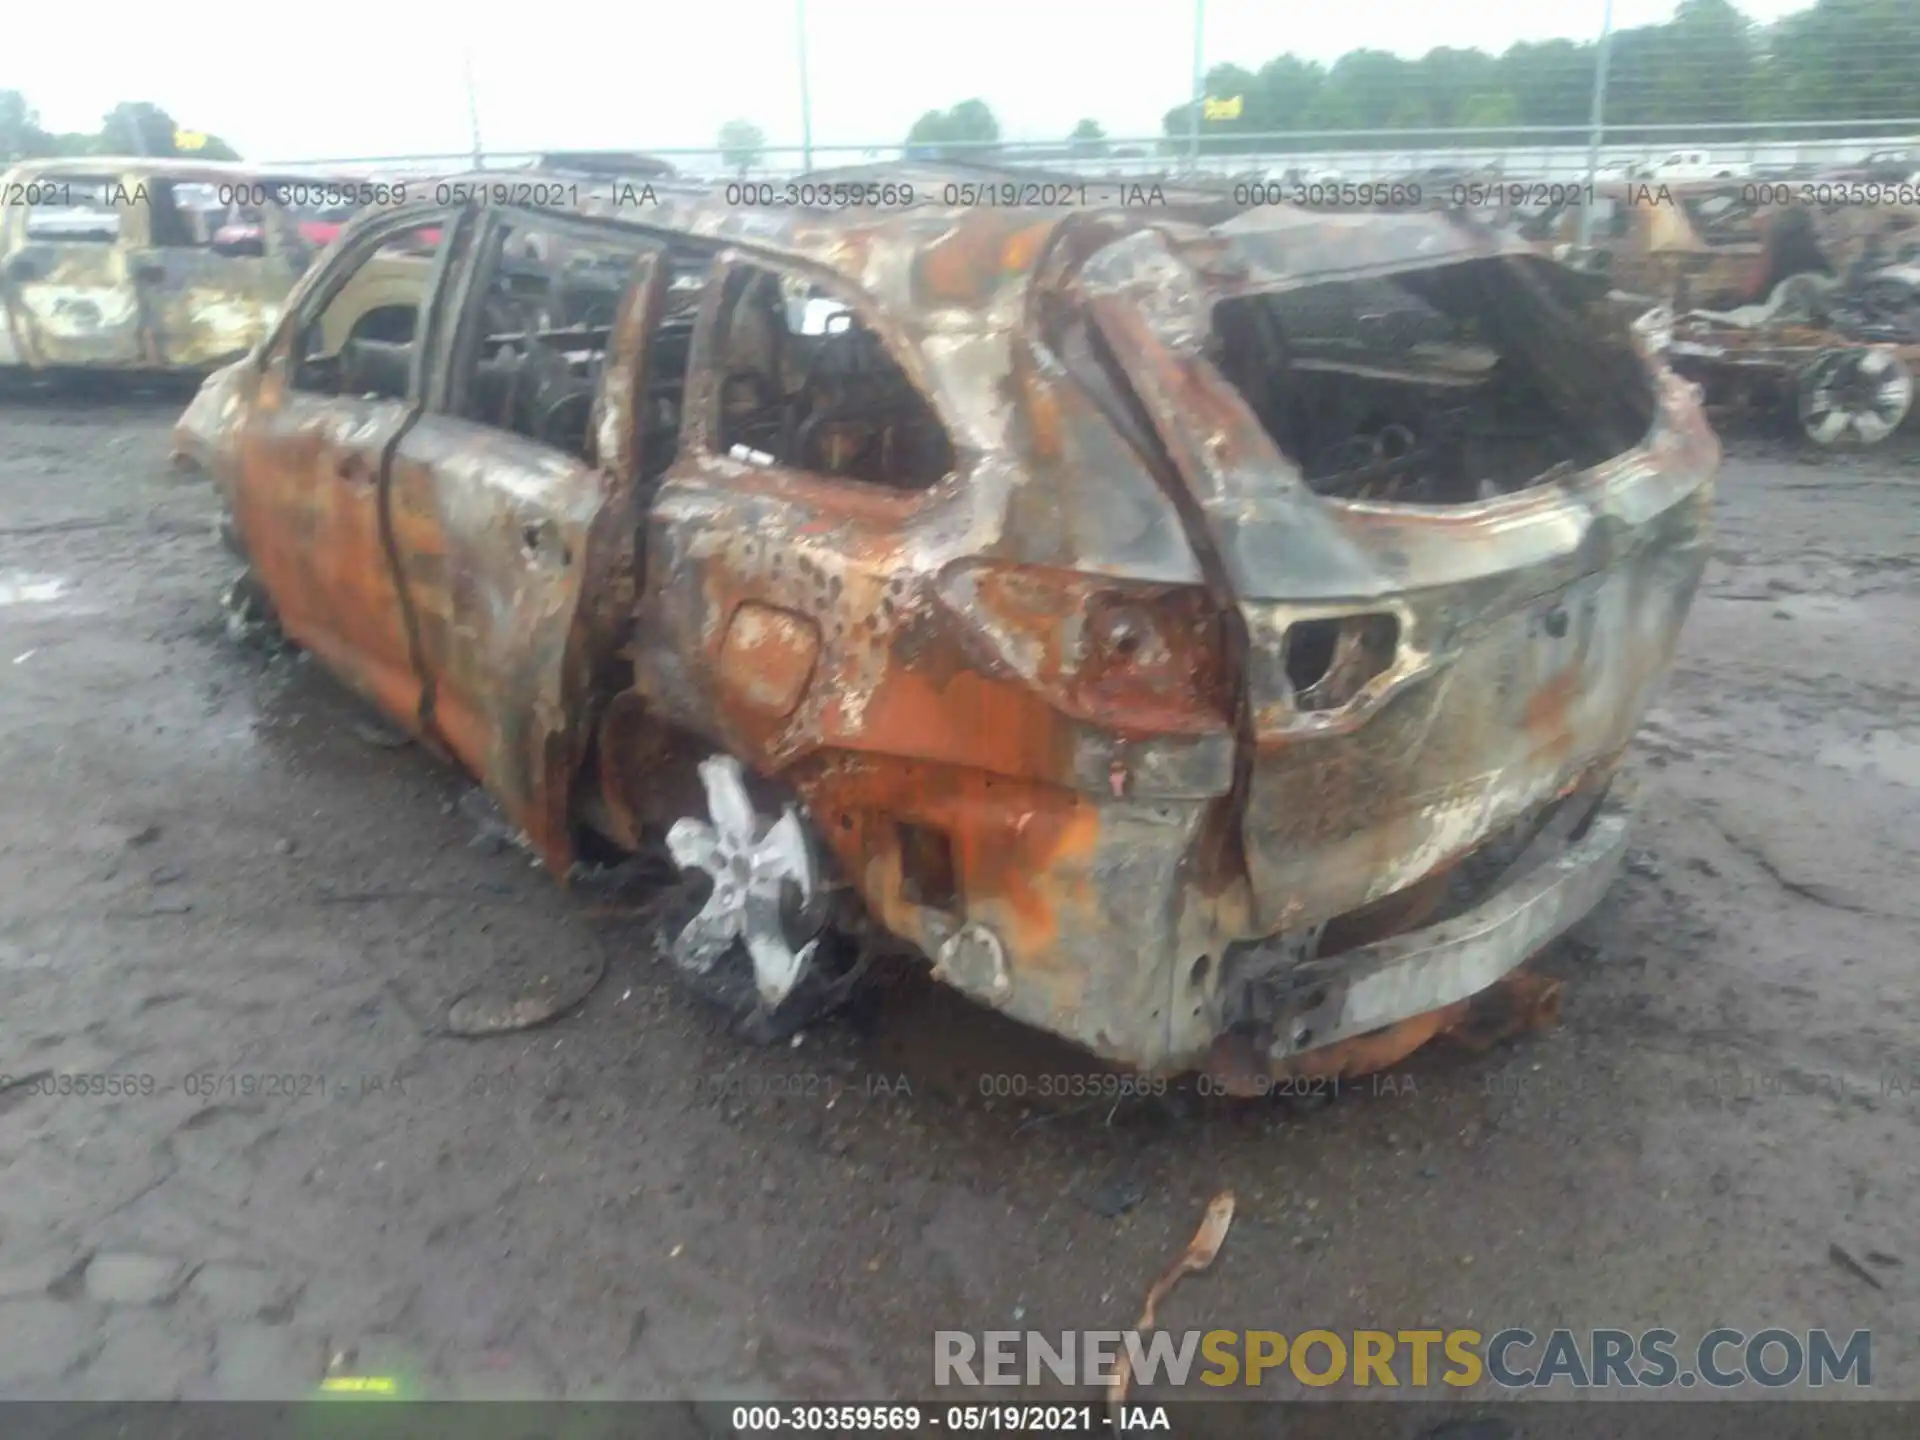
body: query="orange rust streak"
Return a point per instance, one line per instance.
(965, 720)
(1045, 420)
(1548, 723)
(966, 265)
(314, 543)
(1011, 842)
(1023, 248)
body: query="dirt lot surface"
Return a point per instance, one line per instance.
(223, 884)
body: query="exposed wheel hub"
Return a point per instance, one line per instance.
(1857, 397)
(763, 874)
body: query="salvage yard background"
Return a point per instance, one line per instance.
(217, 869)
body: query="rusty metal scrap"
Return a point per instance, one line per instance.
(1766, 295)
(1704, 243)
(1183, 629)
(1199, 1255)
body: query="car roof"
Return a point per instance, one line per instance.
(955, 268)
(928, 255)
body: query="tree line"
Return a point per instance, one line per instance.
(1835, 61)
(134, 127)
(1838, 60)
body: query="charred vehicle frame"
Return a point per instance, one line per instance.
(1209, 636)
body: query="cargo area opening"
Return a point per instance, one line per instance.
(1437, 387)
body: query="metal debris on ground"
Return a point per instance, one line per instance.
(1198, 1255)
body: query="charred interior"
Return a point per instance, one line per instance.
(806, 385)
(1438, 387)
(549, 314)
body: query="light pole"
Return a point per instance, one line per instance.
(806, 103)
(473, 111)
(1596, 119)
(1200, 81)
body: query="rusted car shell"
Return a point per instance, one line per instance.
(1140, 865)
(1765, 290)
(1710, 242)
(131, 303)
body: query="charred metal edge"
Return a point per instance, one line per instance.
(1425, 970)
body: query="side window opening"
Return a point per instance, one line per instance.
(362, 340)
(70, 210)
(182, 215)
(804, 384)
(545, 323)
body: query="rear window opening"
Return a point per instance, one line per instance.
(1439, 387)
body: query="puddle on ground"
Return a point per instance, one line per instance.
(20, 587)
(1891, 754)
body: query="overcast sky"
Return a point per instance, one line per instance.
(359, 77)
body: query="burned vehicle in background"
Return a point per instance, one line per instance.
(1211, 637)
(1778, 296)
(140, 265)
(1897, 165)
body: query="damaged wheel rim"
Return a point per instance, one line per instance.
(763, 873)
(1854, 397)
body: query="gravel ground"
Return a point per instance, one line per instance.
(221, 883)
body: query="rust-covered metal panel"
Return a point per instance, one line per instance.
(308, 508)
(516, 561)
(209, 309)
(493, 536)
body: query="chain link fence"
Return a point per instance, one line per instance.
(1530, 151)
(1826, 85)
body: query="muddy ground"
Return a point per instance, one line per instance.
(222, 885)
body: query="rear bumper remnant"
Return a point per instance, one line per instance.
(1426, 970)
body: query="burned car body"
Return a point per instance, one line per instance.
(1714, 244)
(1211, 637)
(124, 264)
(1771, 301)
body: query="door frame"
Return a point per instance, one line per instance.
(534, 773)
(277, 369)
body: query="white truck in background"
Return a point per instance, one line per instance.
(1695, 165)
